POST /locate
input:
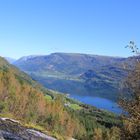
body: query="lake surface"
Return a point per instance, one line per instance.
(105, 99)
(98, 102)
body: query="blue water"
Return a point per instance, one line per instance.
(98, 102)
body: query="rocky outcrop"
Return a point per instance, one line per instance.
(13, 130)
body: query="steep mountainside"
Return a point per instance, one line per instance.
(76, 73)
(109, 77)
(40, 109)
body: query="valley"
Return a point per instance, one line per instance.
(82, 76)
(46, 112)
(69, 70)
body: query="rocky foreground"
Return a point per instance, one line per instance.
(13, 130)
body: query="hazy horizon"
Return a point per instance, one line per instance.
(64, 53)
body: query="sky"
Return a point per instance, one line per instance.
(41, 27)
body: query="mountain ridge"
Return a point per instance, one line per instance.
(57, 69)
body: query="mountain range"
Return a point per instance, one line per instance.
(30, 111)
(76, 74)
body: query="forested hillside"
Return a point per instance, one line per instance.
(25, 100)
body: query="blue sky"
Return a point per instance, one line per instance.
(100, 27)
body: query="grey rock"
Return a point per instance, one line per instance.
(12, 130)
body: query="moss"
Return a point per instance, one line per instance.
(34, 126)
(48, 97)
(57, 136)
